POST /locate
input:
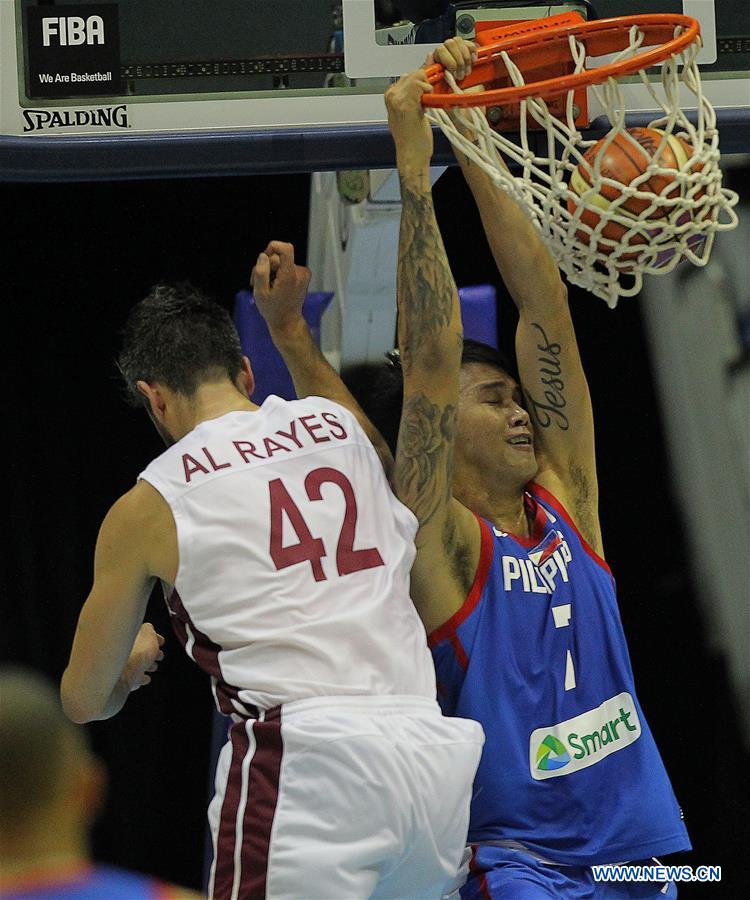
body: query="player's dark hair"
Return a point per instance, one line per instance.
(379, 388)
(477, 352)
(179, 337)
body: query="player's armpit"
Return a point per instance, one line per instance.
(445, 566)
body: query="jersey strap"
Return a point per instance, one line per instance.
(550, 500)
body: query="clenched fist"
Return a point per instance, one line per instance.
(144, 657)
(279, 286)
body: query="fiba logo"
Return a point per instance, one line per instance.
(72, 51)
(72, 31)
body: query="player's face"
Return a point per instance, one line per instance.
(494, 429)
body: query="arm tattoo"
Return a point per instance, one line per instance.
(425, 283)
(550, 410)
(424, 468)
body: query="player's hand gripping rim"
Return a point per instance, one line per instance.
(456, 56)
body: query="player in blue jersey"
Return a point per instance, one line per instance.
(510, 577)
(51, 789)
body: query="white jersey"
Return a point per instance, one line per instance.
(294, 558)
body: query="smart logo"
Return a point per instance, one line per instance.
(584, 740)
(551, 754)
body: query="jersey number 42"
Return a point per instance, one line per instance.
(309, 548)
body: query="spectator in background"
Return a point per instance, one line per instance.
(51, 789)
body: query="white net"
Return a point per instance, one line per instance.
(604, 228)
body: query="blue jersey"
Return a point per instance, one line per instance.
(91, 883)
(537, 654)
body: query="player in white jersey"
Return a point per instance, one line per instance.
(285, 561)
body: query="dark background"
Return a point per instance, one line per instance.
(77, 257)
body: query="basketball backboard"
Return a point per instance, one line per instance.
(94, 89)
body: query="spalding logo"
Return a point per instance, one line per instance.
(100, 117)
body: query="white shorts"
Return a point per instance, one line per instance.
(343, 797)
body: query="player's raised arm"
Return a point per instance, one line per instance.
(279, 287)
(552, 377)
(430, 338)
(114, 650)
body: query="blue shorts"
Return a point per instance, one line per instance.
(500, 873)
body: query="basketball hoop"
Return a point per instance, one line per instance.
(596, 226)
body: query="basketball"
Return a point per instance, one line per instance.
(624, 160)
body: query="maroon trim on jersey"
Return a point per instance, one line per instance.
(227, 833)
(449, 629)
(262, 797)
(206, 654)
(545, 495)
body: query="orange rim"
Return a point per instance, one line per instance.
(540, 49)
